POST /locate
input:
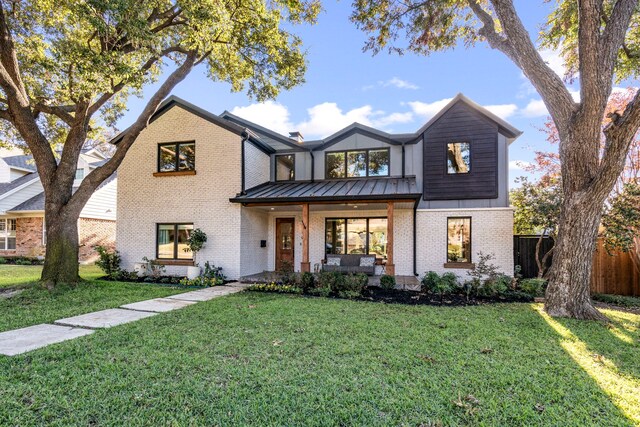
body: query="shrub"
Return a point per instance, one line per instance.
(429, 281)
(387, 282)
(23, 261)
(619, 300)
(275, 287)
(154, 269)
(198, 281)
(440, 285)
(327, 281)
(534, 287)
(351, 286)
(109, 262)
(3, 260)
(307, 281)
(214, 273)
(287, 276)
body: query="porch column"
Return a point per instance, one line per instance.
(305, 266)
(391, 267)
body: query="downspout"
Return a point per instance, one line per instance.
(415, 228)
(403, 173)
(313, 166)
(245, 138)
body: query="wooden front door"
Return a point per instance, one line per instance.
(284, 241)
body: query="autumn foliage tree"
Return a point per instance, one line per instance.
(600, 40)
(67, 69)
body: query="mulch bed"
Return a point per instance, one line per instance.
(397, 296)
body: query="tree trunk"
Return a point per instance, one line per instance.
(568, 293)
(61, 261)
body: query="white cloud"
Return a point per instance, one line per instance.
(535, 108)
(502, 110)
(269, 114)
(323, 119)
(426, 110)
(555, 61)
(393, 82)
(518, 164)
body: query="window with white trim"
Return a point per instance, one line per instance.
(7, 234)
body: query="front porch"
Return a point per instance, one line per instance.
(407, 283)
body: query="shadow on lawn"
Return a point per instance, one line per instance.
(611, 363)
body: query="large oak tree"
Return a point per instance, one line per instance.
(600, 40)
(68, 67)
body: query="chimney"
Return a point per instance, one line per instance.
(296, 136)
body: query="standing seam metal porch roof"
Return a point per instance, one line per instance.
(332, 190)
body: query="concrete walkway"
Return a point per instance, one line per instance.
(34, 337)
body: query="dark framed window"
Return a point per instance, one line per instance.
(285, 167)
(171, 241)
(459, 239)
(177, 156)
(357, 163)
(356, 236)
(458, 158)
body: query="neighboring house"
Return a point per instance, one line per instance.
(22, 225)
(429, 200)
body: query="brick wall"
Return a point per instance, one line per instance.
(93, 232)
(491, 233)
(28, 238)
(202, 199)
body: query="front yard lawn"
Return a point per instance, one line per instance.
(265, 359)
(36, 305)
(18, 275)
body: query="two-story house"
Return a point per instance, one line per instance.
(22, 225)
(428, 200)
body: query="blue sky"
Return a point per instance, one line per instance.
(390, 92)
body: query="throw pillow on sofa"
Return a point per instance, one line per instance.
(367, 261)
(334, 260)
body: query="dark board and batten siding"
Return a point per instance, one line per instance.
(461, 124)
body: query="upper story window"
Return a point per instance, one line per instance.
(177, 157)
(285, 167)
(79, 173)
(357, 163)
(458, 157)
(7, 234)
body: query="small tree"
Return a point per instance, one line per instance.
(537, 208)
(195, 242)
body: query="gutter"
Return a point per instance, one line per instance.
(415, 228)
(403, 160)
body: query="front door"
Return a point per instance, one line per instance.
(284, 241)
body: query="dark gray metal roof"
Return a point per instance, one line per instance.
(8, 186)
(22, 162)
(332, 190)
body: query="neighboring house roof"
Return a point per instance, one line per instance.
(7, 187)
(173, 101)
(368, 189)
(23, 162)
(36, 203)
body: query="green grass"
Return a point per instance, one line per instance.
(619, 300)
(264, 359)
(17, 275)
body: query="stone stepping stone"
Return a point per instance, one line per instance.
(158, 305)
(196, 296)
(34, 337)
(104, 318)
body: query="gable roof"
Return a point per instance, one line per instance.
(23, 162)
(503, 125)
(174, 101)
(272, 138)
(8, 187)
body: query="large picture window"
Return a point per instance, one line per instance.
(177, 156)
(356, 236)
(285, 167)
(459, 240)
(171, 241)
(357, 163)
(7, 234)
(458, 158)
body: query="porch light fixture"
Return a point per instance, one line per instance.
(355, 206)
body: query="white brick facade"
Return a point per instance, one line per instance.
(491, 233)
(203, 199)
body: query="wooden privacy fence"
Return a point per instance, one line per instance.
(617, 274)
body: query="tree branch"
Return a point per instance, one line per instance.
(60, 111)
(98, 175)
